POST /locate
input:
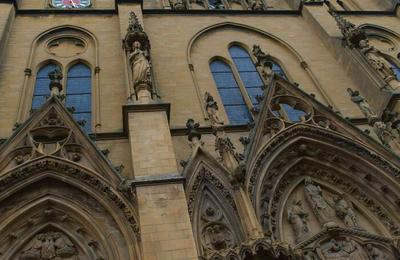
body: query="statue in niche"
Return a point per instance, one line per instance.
(377, 61)
(264, 63)
(345, 211)
(323, 211)
(212, 110)
(297, 217)
(140, 65)
(374, 253)
(362, 104)
(49, 245)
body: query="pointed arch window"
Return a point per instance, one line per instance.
(247, 71)
(79, 92)
(41, 90)
(229, 91)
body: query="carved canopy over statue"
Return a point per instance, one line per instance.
(137, 46)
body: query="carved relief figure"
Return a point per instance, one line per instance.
(377, 61)
(297, 217)
(140, 65)
(177, 4)
(212, 110)
(345, 211)
(321, 208)
(335, 251)
(49, 245)
(374, 253)
(353, 249)
(362, 103)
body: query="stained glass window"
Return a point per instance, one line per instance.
(42, 90)
(78, 93)
(229, 91)
(248, 72)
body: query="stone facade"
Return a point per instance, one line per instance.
(148, 162)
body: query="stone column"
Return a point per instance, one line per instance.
(164, 219)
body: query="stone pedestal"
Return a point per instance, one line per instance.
(164, 219)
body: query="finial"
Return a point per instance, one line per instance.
(352, 35)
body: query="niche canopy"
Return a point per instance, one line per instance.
(70, 3)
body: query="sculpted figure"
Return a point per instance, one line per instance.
(362, 103)
(353, 249)
(344, 210)
(177, 4)
(297, 216)
(321, 208)
(374, 253)
(264, 63)
(140, 65)
(377, 61)
(218, 237)
(212, 110)
(382, 131)
(335, 251)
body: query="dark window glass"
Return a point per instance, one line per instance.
(294, 115)
(229, 91)
(79, 92)
(248, 72)
(42, 90)
(396, 70)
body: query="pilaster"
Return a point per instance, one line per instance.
(164, 219)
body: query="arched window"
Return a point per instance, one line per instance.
(229, 91)
(42, 91)
(248, 73)
(78, 93)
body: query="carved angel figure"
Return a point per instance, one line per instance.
(49, 245)
(345, 211)
(297, 217)
(322, 209)
(140, 65)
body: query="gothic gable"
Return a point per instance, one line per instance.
(52, 132)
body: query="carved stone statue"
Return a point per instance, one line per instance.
(374, 253)
(218, 237)
(297, 217)
(264, 63)
(55, 85)
(140, 66)
(363, 104)
(321, 208)
(49, 245)
(345, 211)
(377, 61)
(335, 250)
(353, 249)
(212, 110)
(382, 131)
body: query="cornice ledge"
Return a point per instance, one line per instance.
(135, 108)
(157, 180)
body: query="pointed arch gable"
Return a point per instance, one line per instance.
(62, 175)
(333, 161)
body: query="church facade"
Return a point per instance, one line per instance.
(199, 129)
